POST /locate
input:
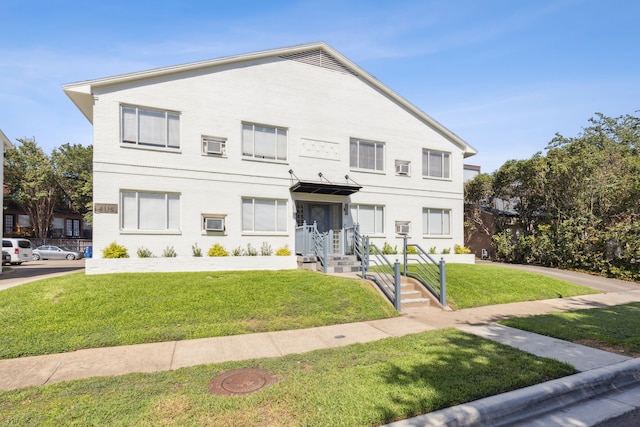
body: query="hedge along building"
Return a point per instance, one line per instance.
(243, 150)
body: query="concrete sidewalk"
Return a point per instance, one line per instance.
(47, 369)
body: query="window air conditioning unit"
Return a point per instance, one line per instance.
(402, 168)
(214, 147)
(214, 224)
(402, 229)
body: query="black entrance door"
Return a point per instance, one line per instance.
(321, 215)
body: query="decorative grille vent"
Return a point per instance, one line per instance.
(319, 58)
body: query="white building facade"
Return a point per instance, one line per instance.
(243, 150)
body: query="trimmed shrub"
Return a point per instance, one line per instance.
(169, 252)
(265, 249)
(197, 252)
(115, 250)
(283, 251)
(459, 249)
(251, 251)
(144, 252)
(388, 250)
(217, 250)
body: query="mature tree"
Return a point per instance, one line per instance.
(478, 194)
(579, 203)
(73, 166)
(521, 183)
(30, 177)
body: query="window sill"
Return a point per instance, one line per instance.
(258, 159)
(373, 171)
(436, 236)
(265, 233)
(152, 232)
(435, 178)
(150, 148)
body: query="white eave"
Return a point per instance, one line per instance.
(81, 93)
(5, 141)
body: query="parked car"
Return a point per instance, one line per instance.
(55, 252)
(6, 258)
(19, 250)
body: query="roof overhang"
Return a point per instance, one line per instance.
(81, 93)
(4, 140)
(316, 187)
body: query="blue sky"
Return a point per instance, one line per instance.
(504, 75)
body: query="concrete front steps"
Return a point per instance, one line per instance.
(413, 295)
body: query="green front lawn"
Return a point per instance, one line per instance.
(614, 328)
(76, 311)
(476, 285)
(358, 385)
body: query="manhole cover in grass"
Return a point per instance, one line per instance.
(241, 381)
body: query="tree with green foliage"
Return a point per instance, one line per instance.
(30, 176)
(478, 193)
(74, 171)
(578, 203)
(39, 183)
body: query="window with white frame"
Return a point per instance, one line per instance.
(264, 142)
(369, 217)
(366, 155)
(150, 211)
(436, 164)
(264, 215)
(146, 127)
(213, 146)
(436, 222)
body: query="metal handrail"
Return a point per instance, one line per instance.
(429, 272)
(385, 274)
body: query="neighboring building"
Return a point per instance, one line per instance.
(470, 172)
(245, 149)
(65, 224)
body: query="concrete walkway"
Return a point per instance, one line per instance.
(594, 364)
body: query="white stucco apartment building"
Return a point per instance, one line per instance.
(243, 149)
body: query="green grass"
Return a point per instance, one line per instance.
(358, 385)
(614, 328)
(476, 285)
(76, 311)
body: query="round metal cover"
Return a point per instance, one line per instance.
(241, 381)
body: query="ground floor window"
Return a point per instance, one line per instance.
(8, 223)
(72, 228)
(150, 211)
(436, 222)
(369, 217)
(58, 227)
(264, 215)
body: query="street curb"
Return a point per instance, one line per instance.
(535, 401)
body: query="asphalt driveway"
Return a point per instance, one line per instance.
(36, 270)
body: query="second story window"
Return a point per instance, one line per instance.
(436, 164)
(366, 155)
(146, 127)
(264, 142)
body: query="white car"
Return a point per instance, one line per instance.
(19, 250)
